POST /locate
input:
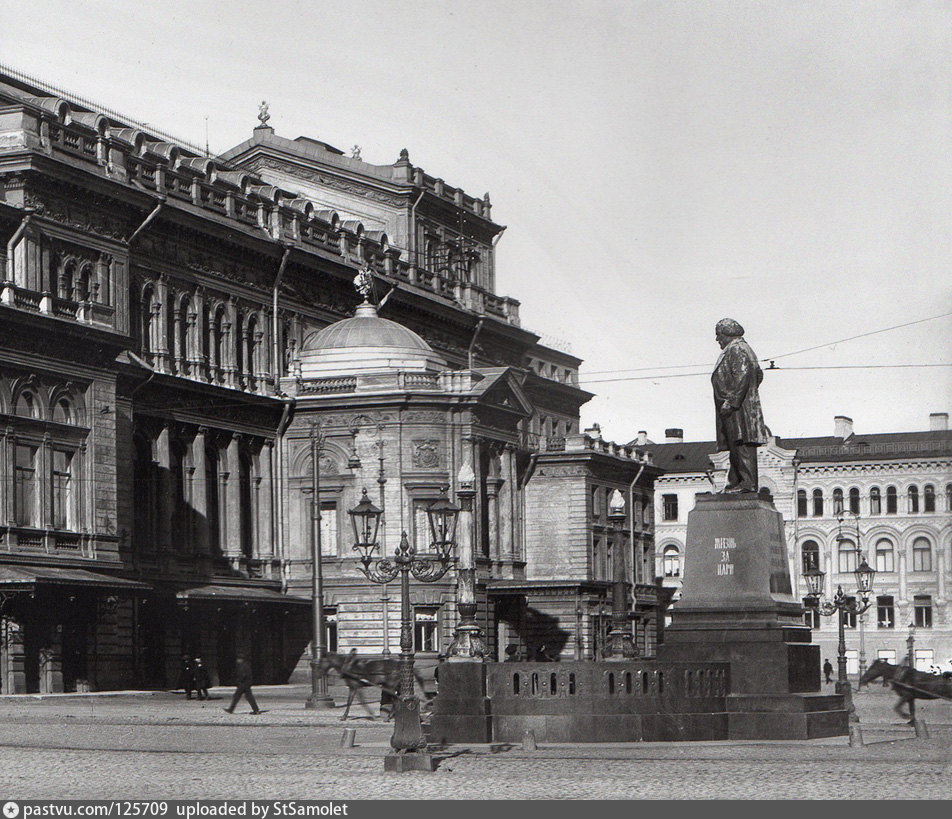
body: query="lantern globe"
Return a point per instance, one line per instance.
(864, 577)
(365, 520)
(814, 578)
(442, 515)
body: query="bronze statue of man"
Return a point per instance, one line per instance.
(740, 421)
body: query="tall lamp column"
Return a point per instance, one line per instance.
(468, 641)
(621, 646)
(408, 742)
(319, 697)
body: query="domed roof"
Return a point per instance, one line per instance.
(366, 344)
(365, 329)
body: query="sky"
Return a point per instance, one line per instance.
(658, 165)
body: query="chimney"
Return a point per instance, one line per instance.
(938, 421)
(594, 431)
(842, 427)
(674, 435)
(642, 438)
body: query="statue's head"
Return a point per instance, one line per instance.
(727, 329)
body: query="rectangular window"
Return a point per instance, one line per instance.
(670, 507)
(596, 503)
(885, 612)
(924, 659)
(923, 609)
(426, 628)
(329, 538)
(887, 654)
(62, 490)
(849, 618)
(25, 486)
(852, 661)
(330, 629)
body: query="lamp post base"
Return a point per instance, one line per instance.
(621, 645)
(410, 761)
(319, 697)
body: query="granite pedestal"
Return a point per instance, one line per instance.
(737, 607)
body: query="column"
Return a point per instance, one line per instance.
(6, 470)
(197, 360)
(941, 556)
(231, 535)
(492, 499)
(266, 533)
(163, 454)
(161, 351)
(903, 585)
(200, 493)
(507, 497)
(228, 344)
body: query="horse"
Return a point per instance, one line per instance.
(909, 684)
(358, 674)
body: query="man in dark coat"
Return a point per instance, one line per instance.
(202, 680)
(187, 676)
(243, 671)
(740, 421)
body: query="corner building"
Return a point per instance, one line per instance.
(178, 335)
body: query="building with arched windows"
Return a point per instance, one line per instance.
(173, 324)
(889, 494)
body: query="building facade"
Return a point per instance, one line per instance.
(889, 495)
(177, 332)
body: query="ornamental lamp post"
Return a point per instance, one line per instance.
(408, 742)
(621, 646)
(841, 604)
(468, 641)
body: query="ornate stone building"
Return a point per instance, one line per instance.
(175, 325)
(888, 493)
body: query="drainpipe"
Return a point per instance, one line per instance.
(472, 343)
(160, 202)
(414, 262)
(28, 214)
(631, 523)
(279, 490)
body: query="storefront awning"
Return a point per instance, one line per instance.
(240, 594)
(27, 578)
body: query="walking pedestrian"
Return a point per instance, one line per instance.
(187, 676)
(243, 671)
(202, 680)
(828, 670)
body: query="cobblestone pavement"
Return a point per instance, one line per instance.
(164, 747)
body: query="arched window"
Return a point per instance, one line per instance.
(63, 412)
(27, 405)
(892, 503)
(948, 497)
(218, 344)
(921, 555)
(837, 501)
(671, 561)
(810, 555)
(875, 501)
(913, 495)
(928, 498)
(802, 503)
(148, 322)
(885, 556)
(83, 281)
(66, 280)
(847, 556)
(854, 501)
(817, 503)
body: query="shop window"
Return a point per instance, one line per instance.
(885, 612)
(426, 628)
(921, 555)
(887, 654)
(811, 616)
(924, 659)
(885, 556)
(922, 604)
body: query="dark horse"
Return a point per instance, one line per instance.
(910, 685)
(358, 674)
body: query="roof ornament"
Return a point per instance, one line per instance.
(355, 153)
(263, 115)
(364, 282)
(404, 155)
